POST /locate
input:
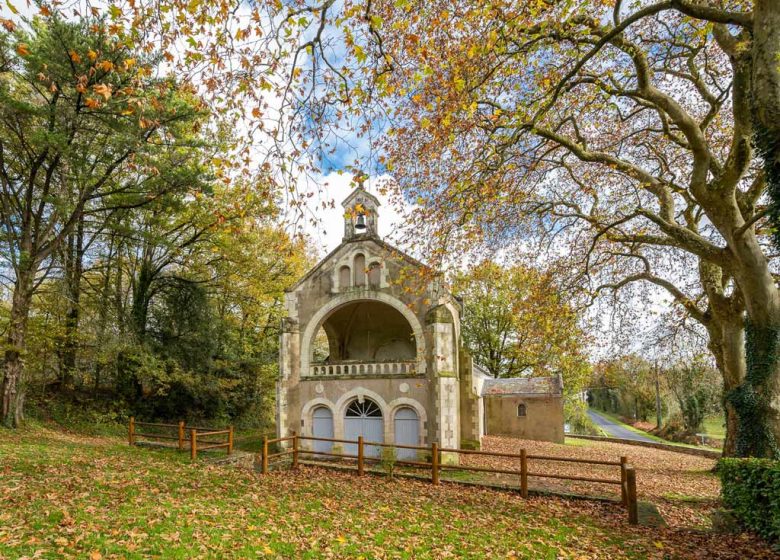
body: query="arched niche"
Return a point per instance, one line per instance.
(360, 269)
(364, 331)
(320, 318)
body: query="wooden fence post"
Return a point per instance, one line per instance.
(193, 444)
(523, 474)
(623, 489)
(435, 463)
(264, 468)
(633, 513)
(131, 431)
(295, 450)
(181, 435)
(361, 466)
(230, 440)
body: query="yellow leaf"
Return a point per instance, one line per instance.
(95, 555)
(92, 55)
(129, 63)
(342, 539)
(268, 550)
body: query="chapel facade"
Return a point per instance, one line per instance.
(363, 353)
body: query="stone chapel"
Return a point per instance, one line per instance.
(362, 354)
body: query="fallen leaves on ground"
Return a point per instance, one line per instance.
(72, 497)
(682, 486)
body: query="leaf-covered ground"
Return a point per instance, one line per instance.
(70, 496)
(682, 486)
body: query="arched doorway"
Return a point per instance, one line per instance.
(407, 432)
(364, 419)
(322, 427)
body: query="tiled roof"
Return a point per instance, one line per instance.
(529, 386)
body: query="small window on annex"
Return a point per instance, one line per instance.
(520, 410)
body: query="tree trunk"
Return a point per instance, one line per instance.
(141, 298)
(727, 340)
(74, 270)
(13, 381)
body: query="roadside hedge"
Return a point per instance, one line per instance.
(751, 490)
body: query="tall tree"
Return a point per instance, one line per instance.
(85, 125)
(515, 323)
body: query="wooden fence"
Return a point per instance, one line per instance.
(193, 435)
(626, 479)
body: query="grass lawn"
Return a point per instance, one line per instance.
(71, 496)
(715, 426)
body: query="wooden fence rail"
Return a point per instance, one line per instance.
(626, 481)
(182, 433)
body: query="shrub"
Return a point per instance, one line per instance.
(751, 489)
(577, 419)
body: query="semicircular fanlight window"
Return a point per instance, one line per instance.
(365, 409)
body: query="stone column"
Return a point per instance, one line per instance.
(446, 385)
(289, 374)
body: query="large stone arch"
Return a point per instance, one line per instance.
(307, 337)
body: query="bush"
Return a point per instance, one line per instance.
(576, 417)
(751, 489)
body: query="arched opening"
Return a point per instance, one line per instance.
(364, 332)
(374, 275)
(407, 432)
(345, 277)
(360, 270)
(520, 410)
(364, 418)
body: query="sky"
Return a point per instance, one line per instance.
(328, 232)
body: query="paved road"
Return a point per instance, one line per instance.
(615, 430)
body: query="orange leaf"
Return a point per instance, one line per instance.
(74, 56)
(22, 49)
(102, 89)
(45, 11)
(106, 65)
(92, 103)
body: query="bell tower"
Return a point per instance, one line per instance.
(360, 212)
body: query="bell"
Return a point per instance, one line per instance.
(360, 224)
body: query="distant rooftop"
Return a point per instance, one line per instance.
(527, 386)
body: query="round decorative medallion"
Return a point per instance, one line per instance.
(319, 388)
(403, 387)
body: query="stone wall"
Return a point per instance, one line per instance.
(543, 420)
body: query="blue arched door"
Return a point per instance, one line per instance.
(322, 427)
(407, 432)
(364, 419)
